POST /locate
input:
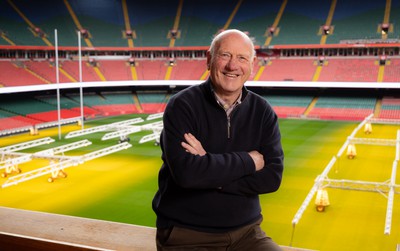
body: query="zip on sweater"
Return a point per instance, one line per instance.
(229, 125)
(228, 111)
(228, 118)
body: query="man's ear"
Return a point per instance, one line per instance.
(252, 64)
(208, 54)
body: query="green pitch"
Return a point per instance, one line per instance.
(120, 187)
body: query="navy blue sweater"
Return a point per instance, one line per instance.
(219, 191)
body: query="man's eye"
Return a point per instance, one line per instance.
(225, 55)
(242, 59)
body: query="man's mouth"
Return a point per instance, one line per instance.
(231, 75)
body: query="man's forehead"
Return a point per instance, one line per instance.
(234, 43)
(238, 50)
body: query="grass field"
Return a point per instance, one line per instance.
(120, 187)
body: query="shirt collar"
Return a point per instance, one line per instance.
(224, 105)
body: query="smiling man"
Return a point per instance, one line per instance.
(221, 149)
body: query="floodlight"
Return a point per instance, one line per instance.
(155, 116)
(103, 127)
(26, 145)
(123, 132)
(150, 137)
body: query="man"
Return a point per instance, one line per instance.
(221, 148)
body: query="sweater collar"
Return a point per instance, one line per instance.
(210, 91)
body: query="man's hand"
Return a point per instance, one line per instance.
(258, 159)
(192, 145)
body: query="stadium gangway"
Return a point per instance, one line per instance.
(112, 126)
(54, 168)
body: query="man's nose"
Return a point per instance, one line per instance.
(232, 63)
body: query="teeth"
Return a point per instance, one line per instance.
(231, 75)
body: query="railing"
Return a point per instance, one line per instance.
(29, 230)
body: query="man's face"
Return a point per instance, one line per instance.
(231, 65)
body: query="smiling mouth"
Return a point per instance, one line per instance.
(231, 75)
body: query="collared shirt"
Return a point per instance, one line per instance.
(228, 109)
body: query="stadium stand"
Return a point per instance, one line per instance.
(117, 103)
(10, 120)
(90, 99)
(88, 73)
(17, 122)
(46, 70)
(13, 73)
(288, 69)
(289, 38)
(13, 24)
(36, 109)
(343, 108)
(103, 22)
(300, 22)
(353, 21)
(289, 105)
(392, 73)
(184, 69)
(291, 24)
(390, 108)
(256, 18)
(350, 70)
(152, 102)
(53, 115)
(115, 70)
(151, 69)
(207, 21)
(152, 25)
(25, 106)
(65, 102)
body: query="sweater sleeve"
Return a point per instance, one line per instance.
(269, 178)
(197, 172)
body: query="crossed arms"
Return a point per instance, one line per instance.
(193, 146)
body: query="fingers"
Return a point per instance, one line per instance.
(192, 145)
(258, 159)
(188, 148)
(191, 139)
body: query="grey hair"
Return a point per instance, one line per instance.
(218, 37)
